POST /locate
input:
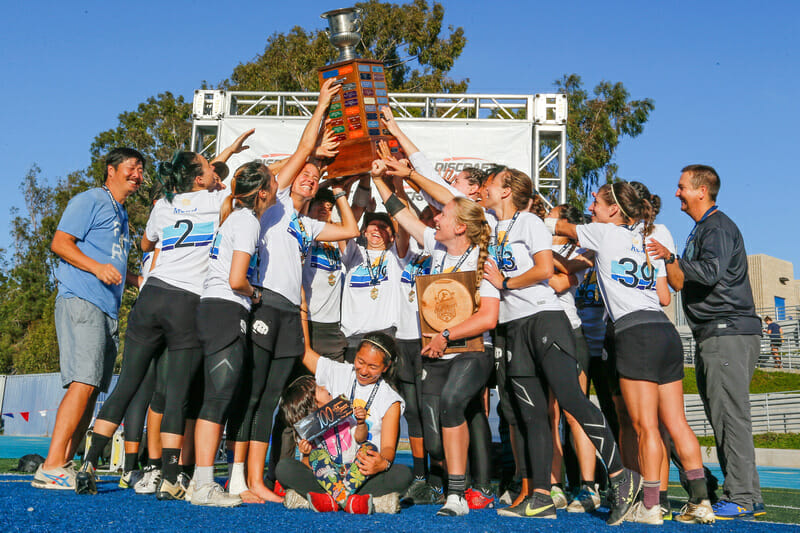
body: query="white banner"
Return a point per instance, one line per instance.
(446, 144)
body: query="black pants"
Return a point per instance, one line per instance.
(295, 475)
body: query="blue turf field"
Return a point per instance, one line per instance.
(23, 508)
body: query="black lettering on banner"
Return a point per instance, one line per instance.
(189, 228)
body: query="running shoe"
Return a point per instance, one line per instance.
(558, 497)
(666, 512)
(477, 499)
(322, 502)
(128, 479)
(622, 495)
(294, 500)
(455, 505)
(387, 504)
(213, 495)
(697, 513)
(85, 482)
(359, 504)
(642, 515)
(537, 505)
(586, 501)
(59, 478)
(420, 492)
(726, 510)
(151, 477)
(510, 492)
(170, 491)
(277, 489)
(759, 509)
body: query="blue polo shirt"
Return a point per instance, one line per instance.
(100, 225)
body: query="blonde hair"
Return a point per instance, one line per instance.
(520, 184)
(478, 233)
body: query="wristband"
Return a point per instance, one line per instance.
(550, 224)
(505, 282)
(393, 205)
(409, 174)
(671, 259)
(339, 195)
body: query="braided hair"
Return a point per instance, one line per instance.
(248, 180)
(177, 176)
(478, 233)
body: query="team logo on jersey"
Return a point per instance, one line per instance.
(297, 230)
(587, 294)
(260, 327)
(362, 278)
(419, 266)
(325, 256)
(632, 275)
(503, 256)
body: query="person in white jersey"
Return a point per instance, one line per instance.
(222, 320)
(184, 222)
(540, 346)
(649, 355)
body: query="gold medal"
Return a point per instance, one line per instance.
(373, 293)
(331, 279)
(411, 295)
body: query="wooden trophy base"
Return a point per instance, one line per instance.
(446, 300)
(354, 115)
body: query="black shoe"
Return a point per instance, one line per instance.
(623, 496)
(536, 506)
(85, 479)
(422, 493)
(759, 509)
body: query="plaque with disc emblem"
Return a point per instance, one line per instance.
(446, 300)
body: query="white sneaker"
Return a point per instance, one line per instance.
(697, 513)
(293, 500)
(558, 497)
(149, 482)
(61, 478)
(189, 492)
(586, 501)
(213, 495)
(388, 503)
(454, 506)
(642, 515)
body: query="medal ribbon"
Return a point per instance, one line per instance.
(501, 245)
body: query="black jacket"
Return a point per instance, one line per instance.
(717, 297)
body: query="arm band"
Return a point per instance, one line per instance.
(393, 205)
(339, 195)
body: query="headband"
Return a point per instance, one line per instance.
(381, 346)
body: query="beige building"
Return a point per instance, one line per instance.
(775, 290)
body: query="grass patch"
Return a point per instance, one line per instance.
(782, 441)
(762, 381)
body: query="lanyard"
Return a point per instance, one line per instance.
(371, 395)
(460, 261)
(374, 278)
(305, 239)
(501, 245)
(694, 229)
(113, 203)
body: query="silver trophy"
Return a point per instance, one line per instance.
(344, 31)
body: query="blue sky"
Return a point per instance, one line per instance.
(724, 77)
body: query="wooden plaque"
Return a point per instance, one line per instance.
(355, 117)
(446, 300)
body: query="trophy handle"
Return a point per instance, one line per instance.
(358, 19)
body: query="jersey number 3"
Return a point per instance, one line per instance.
(632, 275)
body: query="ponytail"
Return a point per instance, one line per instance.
(177, 176)
(248, 180)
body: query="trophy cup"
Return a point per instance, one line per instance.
(353, 114)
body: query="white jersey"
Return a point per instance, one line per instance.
(184, 230)
(567, 298)
(442, 263)
(370, 301)
(283, 245)
(238, 233)
(513, 252)
(322, 281)
(626, 281)
(416, 263)
(339, 378)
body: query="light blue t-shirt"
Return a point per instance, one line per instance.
(100, 225)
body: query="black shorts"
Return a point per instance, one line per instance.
(275, 326)
(611, 362)
(581, 350)
(219, 323)
(164, 314)
(528, 339)
(327, 339)
(409, 360)
(436, 371)
(649, 352)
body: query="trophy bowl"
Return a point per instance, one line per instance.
(344, 30)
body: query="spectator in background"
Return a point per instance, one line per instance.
(775, 339)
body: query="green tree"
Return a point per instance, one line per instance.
(406, 37)
(595, 127)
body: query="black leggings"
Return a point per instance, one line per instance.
(268, 379)
(136, 413)
(529, 397)
(295, 475)
(410, 384)
(222, 373)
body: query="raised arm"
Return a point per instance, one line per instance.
(308, 140)
(349, 225)
(236, 147)
(404, 217)
(388, 120)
